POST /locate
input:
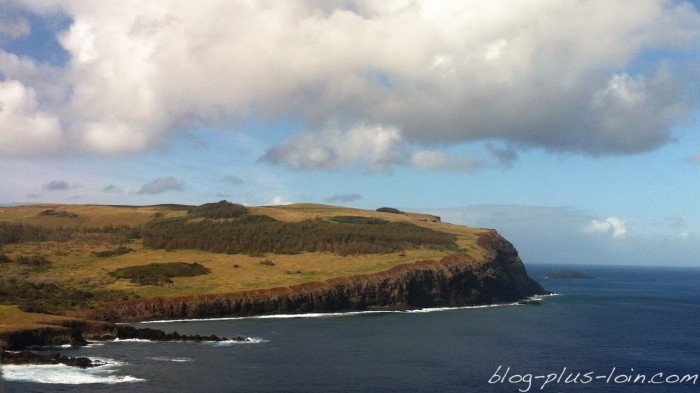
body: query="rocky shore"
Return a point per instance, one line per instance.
(29, 357)
(81, 331)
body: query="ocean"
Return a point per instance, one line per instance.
(628, 329)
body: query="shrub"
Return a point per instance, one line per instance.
(159, 273)
(58, 213)
(358, 220)
(111, 253)
(50, 297)
(267, 262)
(390, 210)
(33, 260)
(5, 259)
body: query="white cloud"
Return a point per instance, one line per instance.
(24, 128)
(616, 225)
(557, 75)
(563, 235)
(373, 147)
(279, 200)
(159, 186)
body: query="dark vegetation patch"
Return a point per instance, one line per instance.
(221, 209)
(121, 250)
(358, 220)
(159, 273)
(258, 235)
(35, 260)
(58, 213)
(390, 210)
(21, 233)
(52, 298)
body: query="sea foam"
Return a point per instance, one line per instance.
(66, 375)
(333, 314)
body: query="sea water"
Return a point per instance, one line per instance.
(629, 329)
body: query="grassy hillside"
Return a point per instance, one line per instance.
(62, 259)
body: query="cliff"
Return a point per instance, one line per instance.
(456, 280)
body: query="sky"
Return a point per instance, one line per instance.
(569, 126)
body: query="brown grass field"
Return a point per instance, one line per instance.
(75, 266)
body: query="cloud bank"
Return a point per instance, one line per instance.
(617, 226)
(376, 83)
(563, 235)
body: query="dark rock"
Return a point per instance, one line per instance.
(125, 332)
(28, 357)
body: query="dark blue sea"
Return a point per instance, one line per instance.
(629, 329)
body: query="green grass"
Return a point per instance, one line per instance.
(82, 264)
(13, 319)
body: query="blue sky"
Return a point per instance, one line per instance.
(571, 127)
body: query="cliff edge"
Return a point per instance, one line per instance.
(455, 280)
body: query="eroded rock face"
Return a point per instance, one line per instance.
(456, 280)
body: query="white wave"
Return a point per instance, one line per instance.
(66, 375)
(441, 309)
(164, 359)
(248, 340)
(333, 314)
(133, 340)
(271, 316)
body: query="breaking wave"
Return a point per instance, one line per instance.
(66, 375)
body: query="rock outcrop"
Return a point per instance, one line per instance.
(77, 333)
(456, 280)
(28, 357)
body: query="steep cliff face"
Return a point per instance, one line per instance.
(456, 280)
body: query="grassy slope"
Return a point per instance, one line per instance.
(74, 265)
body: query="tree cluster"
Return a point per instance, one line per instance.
(51, 297)
(257, 235)
(358, 220)
(390, 210)
(19, 233)
(221, 209)
(113, 252)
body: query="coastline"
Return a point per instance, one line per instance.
(455, 281)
